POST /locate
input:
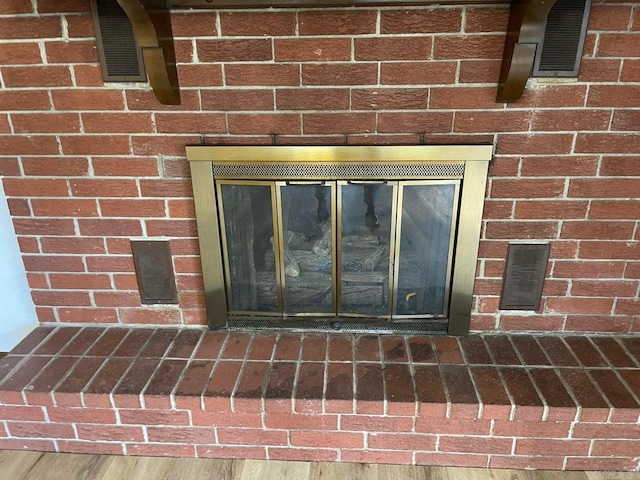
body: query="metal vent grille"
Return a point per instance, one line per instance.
(342, 326)
(274, 171)
(524, 276)
(560, 51)
(154, 271)
(120, 55)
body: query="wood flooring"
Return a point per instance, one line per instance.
(18, 465)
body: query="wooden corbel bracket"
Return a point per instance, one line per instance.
(152, 28)
(527, 22)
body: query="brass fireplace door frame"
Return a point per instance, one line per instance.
(468, 163)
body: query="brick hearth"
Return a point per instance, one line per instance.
(497, 400)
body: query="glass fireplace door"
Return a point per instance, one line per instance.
(427, 215)
(249, 247)
(366, 226)
(306, 214)
(338, 249)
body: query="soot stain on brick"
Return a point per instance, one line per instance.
(421, 352)
(340, 387)
(396, 352)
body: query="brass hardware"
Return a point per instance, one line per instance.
(304, 184)
(470, 190)
(466, 254)
(450, 250)
(394, 267)
(339, 155)
(337, 285)
(367, 182)
(394, 247)
(209, 241)
(335, 245)
(278, 242)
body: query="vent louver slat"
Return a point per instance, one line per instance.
(119, 53)
(560, 52)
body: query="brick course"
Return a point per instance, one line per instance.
(546, 402)
(85, 158)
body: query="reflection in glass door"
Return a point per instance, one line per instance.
(307, 212)
(366, 227)
(426, 227)
(380, 250)
(248, 245)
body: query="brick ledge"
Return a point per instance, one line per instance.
(512, 401)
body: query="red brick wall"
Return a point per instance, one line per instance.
(88, 166)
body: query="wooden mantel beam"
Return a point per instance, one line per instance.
(152, 28)
(318, 3)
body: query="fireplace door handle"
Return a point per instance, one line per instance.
(303, 183)
(367, 182)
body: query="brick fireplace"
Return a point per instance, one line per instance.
(88, 166)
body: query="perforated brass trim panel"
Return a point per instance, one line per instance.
(253, 171)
